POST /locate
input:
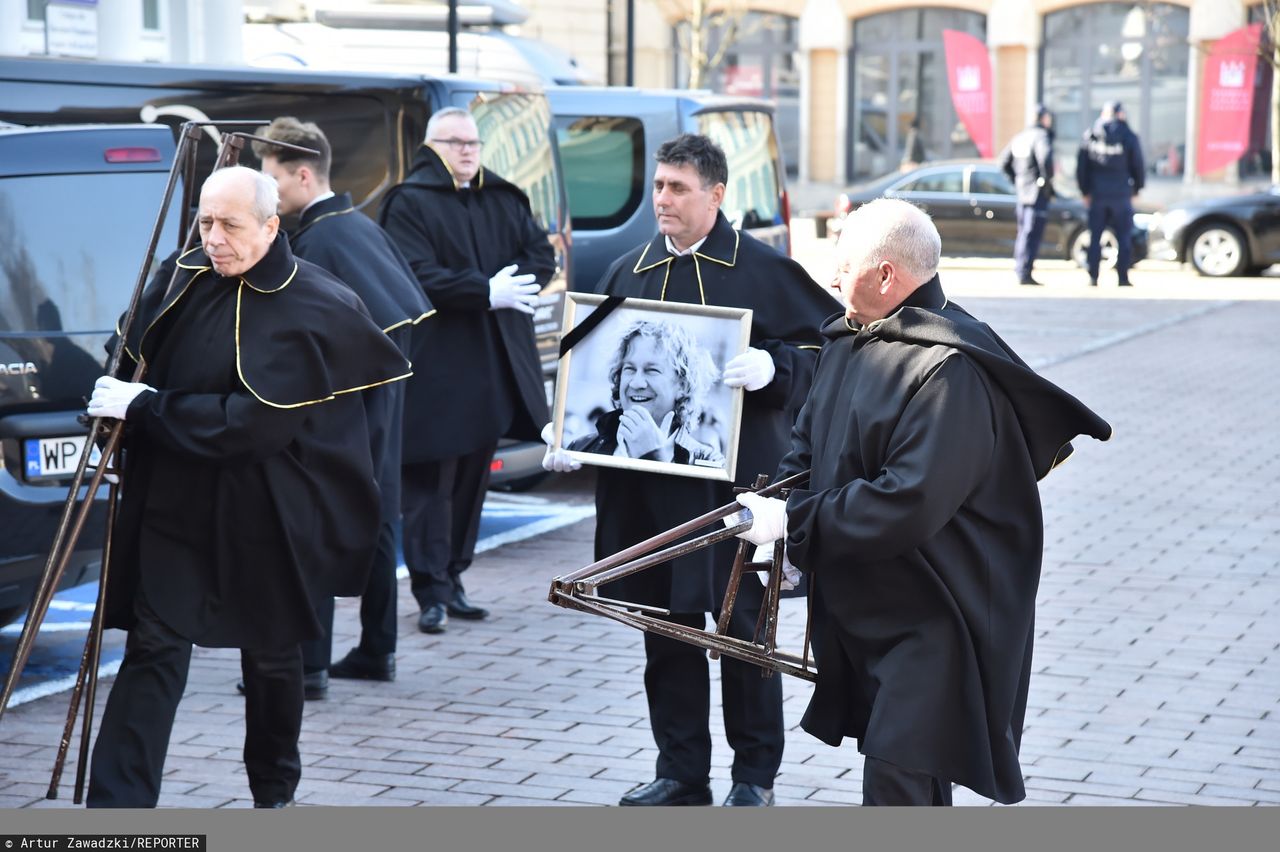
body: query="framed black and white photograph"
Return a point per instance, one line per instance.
(641, 388)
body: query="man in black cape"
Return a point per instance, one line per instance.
(699, 258)
(248, 483)
(920, 528)
(332, 234)
(475, 248)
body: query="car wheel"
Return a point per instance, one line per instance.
(1218, 250)
(1080, 249)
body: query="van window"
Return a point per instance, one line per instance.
(603, 159)
(751, 199)
(72, 266)
(516, 129)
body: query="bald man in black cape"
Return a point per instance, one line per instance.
(248, 484)
(920, 528)
(332, 234)
(699, 258)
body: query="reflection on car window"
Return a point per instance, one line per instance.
(603, 159)
(950, 181)
(516, 129)
(751, 198)
(984, 182)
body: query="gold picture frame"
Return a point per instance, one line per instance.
(645, 364)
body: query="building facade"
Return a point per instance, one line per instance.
(860, 74)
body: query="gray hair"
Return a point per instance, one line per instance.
(447, 112)
(266, 196)
(891, 229)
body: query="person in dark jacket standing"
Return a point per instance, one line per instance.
(920, 528)
(1028, 161)
(481, 257)
(332, 234)
(1110, 172)
(248, 485)
(698, 257)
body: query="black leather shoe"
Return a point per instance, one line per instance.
(433, 619)
(315, 685)
(286, 804)
(1125, 284)
(1093, 282)
(460, 607)
(1030, 282)
(667, 792)
(357, 665)
(744, 795)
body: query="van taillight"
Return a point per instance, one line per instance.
(132, 155)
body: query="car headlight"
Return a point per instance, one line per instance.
(1143, 221)
(1174, 220)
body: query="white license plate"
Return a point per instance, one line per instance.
(47, 458)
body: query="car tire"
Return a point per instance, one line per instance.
(1218, 250)
(1080, 249)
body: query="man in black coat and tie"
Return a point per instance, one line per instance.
(481, 257)
(332, 234)
(698, 257)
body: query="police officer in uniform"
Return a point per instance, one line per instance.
(1109, 170)
(1028, 161)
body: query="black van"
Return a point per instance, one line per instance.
(374, 122)
(77, 205)
(607, 137)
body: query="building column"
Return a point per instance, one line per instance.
(119, 31)
(221, 26)
(13, 18)
(824, 102)
(1014, 28)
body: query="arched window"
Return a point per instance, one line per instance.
(898, 84)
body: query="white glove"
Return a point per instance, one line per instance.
(790, 573)
(752, 370)
(768, 518)
(111, 397)
(507, 290)
(558, 461)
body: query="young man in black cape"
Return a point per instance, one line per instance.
(471, 240)
(348, 244)
(698, 257)
(920, 528)
(248, 485)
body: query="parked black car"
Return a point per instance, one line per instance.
(1235, 235)
(607, 137)
(77, 205)
(973, 202)
(375, 123)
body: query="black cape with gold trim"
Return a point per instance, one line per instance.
(335, 236)
(922, 533)
(248, 475)
(735, 270)
(477, 375)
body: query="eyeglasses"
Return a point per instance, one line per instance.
(460, 144)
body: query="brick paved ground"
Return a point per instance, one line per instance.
(1157, 672)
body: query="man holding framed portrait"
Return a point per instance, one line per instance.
(698, 262)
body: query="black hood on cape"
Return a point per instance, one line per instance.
(299, 355)
(1050, 417)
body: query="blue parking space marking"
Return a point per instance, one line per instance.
(55, 659)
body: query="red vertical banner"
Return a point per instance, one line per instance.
(969, 78)
(1226, 98)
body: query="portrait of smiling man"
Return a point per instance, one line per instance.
(659, 378)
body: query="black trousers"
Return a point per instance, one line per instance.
(1031, 221)
(440, 502)
(677, 682)
(377, 609)
(129, 753)
(884, 784)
